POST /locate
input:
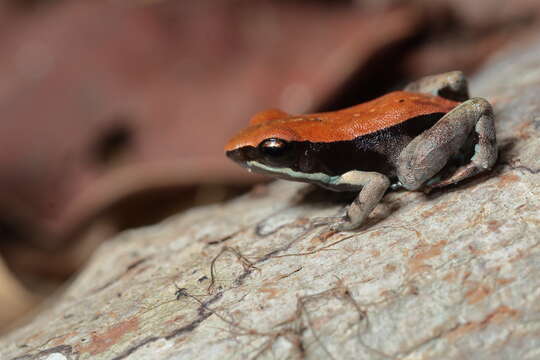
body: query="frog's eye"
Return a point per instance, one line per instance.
(273, 147)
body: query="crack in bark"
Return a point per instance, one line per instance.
(524, 168)
(225, 238)
(221, 240)
(203, 308)
(176, 332)
(189, 327)
(134, 348)
(65, 350)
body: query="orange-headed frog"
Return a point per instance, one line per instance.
(404, 139)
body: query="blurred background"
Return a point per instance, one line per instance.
(113, 114)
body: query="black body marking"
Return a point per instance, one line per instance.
(377, 151)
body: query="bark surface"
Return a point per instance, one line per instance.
(454, 274)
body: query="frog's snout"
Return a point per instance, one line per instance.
(242, 155)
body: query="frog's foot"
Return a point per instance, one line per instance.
(372, 186)
(336, 223)
(451, 85)
(429, 152)
(462, 173)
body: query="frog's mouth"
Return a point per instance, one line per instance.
(247, 158)
(289, 174)
(242, 155)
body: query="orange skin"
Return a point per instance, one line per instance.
(347, 124)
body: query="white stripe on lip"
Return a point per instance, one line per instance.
(315, 177)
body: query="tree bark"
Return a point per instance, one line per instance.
(454, 274)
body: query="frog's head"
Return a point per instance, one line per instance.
(269, 148)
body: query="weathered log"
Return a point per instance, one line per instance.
(454, 274)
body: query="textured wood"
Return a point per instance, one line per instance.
(454, 274)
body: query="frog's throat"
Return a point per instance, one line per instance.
(317, 178)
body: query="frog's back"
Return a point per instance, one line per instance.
(343, 125)
(381, 113)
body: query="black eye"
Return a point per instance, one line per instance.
(273, 147)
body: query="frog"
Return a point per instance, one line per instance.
(404, 139)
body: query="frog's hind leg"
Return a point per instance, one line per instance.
(429, 152)
(451, 85)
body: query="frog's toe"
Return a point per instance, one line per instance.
(343, 224)
(327, 220)
(336, 223)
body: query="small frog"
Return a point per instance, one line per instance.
(404, 139)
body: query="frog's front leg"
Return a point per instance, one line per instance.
(451, 85)
(429, 152)
(372, 186)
